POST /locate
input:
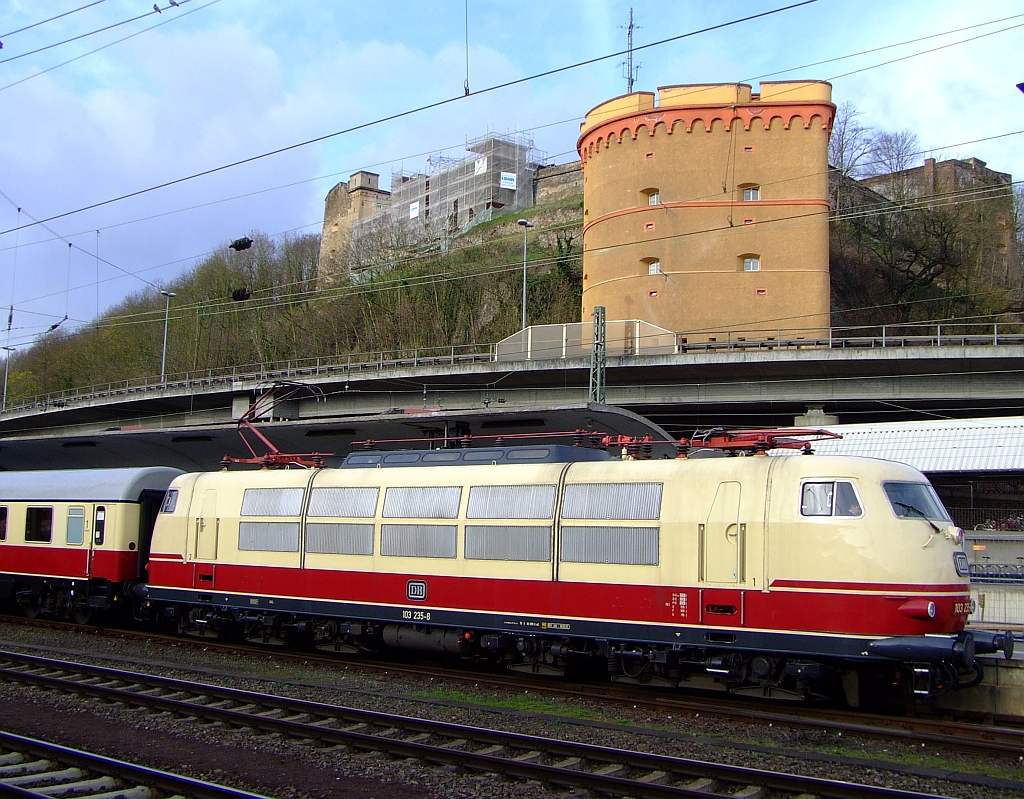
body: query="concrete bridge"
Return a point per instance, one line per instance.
(189, 421)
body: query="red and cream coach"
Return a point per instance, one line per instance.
(75, 541)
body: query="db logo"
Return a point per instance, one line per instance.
(416, 590)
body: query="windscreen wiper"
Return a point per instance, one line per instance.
(920, 513)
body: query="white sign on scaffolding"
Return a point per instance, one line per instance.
(480, 166)
(508, 180)
(414, 209)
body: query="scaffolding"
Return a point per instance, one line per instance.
(495, 179)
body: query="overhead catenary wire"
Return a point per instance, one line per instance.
(888, 62)
(410, 112)
(81, 35)
(212, 308)
(51, 19)
(851, 55)
(110, 44)
(227, 305)
(411, 259)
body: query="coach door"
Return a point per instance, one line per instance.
(722, 538)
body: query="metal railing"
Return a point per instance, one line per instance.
(293, 369)
(946, 334)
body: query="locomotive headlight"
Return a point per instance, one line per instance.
(955, 534)
(919, 609)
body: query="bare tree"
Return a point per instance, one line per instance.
(848, 146)
(892, 154)
(850, 142)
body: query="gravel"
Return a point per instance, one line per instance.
(281, 767)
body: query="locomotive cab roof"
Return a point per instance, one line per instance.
(546, 453)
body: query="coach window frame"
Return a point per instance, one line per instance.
(3, 522)
(39, 523)
(75, 512)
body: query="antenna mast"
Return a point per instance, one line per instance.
(629, 71)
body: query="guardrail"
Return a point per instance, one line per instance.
(884, 336)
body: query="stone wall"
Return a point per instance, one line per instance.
(553, 184)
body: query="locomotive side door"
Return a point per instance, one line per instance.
(207, 527)
(722, 538)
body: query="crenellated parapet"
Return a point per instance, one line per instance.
(702, 107)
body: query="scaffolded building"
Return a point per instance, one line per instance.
(494, 180)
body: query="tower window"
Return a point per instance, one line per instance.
(751, 263)
(751, 194)
(653, 266)
(653, 196)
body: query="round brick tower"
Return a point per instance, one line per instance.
(706, 211)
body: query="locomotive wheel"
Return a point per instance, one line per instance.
(82, 614)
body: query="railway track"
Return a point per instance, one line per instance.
(953, 734)
(556, 763)
(32, 769)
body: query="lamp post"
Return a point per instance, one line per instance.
(7, 368)
(163, 357)
(527, 224)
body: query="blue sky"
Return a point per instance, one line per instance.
(225, 80)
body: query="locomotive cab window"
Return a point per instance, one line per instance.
(915, 500)
(830, 498)
(3, 524)
(76, 525)
(39, 525)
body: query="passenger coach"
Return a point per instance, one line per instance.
(76, 541)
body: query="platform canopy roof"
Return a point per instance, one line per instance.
(956, 445)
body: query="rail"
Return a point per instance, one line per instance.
(35, 769)
(560, 763)
(879, 337)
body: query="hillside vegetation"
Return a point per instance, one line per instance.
(466, 296)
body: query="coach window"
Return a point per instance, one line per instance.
(100, 527)
(76, 525)
(39, 525)
(3, 524)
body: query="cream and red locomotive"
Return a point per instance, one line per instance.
(770, 574)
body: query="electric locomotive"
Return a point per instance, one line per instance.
(769, 575)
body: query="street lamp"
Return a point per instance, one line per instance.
(527, 224)
(163, 357)
(7, 368)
